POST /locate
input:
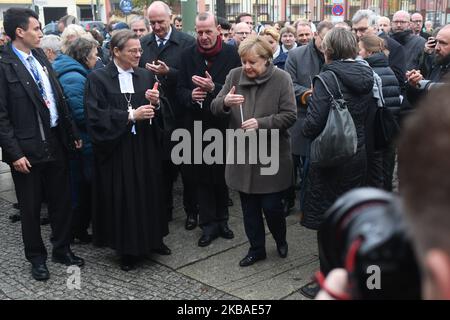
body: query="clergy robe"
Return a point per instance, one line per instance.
(127, 207)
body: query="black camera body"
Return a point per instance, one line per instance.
(364, 232)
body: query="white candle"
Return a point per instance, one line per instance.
(242, 114)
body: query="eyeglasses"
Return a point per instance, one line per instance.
(400, 22)
(361, 30)
(135, 51)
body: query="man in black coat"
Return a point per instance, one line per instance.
(161, 55)
(202, 75)
(36, 134)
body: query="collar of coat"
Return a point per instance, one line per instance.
(174, 37)
(246, 81)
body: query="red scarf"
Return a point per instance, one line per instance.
(209, 54)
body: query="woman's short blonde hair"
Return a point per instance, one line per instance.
(271, 31)
(70, 33)
(257, 45)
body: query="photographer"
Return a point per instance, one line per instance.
(425, 206)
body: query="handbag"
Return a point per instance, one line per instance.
(338, 141)
(386, 127)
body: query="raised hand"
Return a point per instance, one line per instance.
(232, 99)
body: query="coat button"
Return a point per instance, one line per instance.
(28, 82)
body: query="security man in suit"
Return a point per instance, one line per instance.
(36, 134)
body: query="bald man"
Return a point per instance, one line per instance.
(162, 49)
(403, 34)
(241, 31)
(417, 26)
(384, 25)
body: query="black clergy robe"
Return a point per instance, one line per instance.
(127, 199)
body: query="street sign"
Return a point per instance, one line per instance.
(337, 10)
(126, 6)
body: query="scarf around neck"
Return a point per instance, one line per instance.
(210, 53)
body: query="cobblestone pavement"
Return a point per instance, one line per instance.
(101, 278)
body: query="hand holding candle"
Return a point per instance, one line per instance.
(153, 95)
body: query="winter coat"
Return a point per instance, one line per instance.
(391, 88)
(270, 100)
(72, 77)
(21, 104)
(303, 63)
(413, 46)
(325, 185)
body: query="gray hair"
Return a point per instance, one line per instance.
(365, 14)
(339, 44)
(80, 49)
(120, 38)
(205, 16)
(52, 42)
(140, 18)
(404, 13)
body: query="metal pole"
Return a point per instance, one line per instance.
(93, 10)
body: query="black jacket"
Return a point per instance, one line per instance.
(391, 88)
(397, 59)
(170, 54)
(325, 185)
(194, 64)
(21, 104)
(413, 46)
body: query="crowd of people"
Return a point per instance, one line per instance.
(87, 122)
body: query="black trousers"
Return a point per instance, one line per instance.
(271, 205)
(213, 207)
(54, 178)
(170, 174)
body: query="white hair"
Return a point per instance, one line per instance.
(52, 42)
(365, 14)
(160, 3)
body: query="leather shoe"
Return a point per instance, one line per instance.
(226, 233)
(250, 259)
(282, 250)
(127, 263)
(163, 250)
(310, 290)
(206, 239)
(39, 271)
(68, 258)
(191, 222)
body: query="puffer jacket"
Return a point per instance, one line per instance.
(391, 88)
(72, 77)
(325, 185)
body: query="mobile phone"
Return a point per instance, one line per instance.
(432, 42)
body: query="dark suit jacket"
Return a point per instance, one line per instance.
(21, 104)
(170, 54)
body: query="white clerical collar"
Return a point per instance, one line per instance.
(166, 38)
(125, 79)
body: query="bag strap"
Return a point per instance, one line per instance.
(325, 85)
(328, 89)
(337, 82)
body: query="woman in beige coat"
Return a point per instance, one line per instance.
(259, 96)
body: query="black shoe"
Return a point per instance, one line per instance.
(206, 239)
(226, 233)
(68, 258)
(163, 250)
(230, 202)
(15, 217)
(39, 271)
(250, 259)
(310, 290)
(282, 250)
(45, 221)
(191, 222)
(16, 206)
(127, 262)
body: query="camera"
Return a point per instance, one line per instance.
(364, 232)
